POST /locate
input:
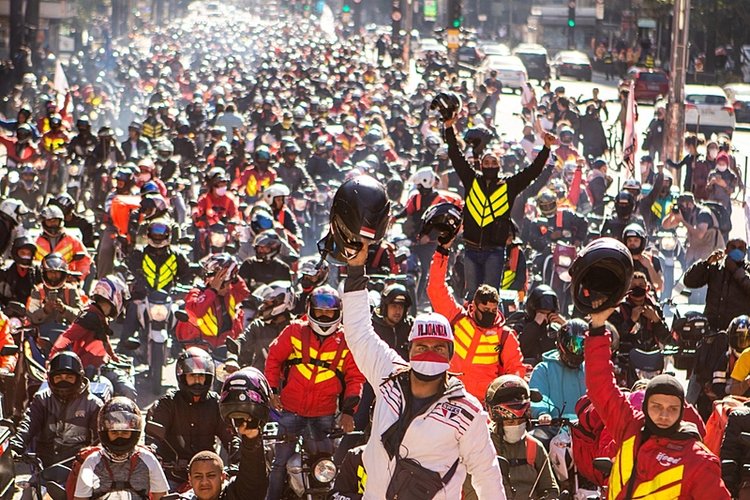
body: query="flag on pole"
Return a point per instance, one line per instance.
(60, 84)
(630, 141)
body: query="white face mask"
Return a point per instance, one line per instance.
(514, 433)
(712, 153)
(429, 364)
(221, 191)
(722, 167)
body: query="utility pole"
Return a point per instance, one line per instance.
(408, 26)
(675, 121)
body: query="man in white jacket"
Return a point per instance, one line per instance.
(447, 429)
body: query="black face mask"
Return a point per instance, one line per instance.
(491, 173)
(485, 319)
(427, 378)
(120, 443)
(638, 292)
(423, 190)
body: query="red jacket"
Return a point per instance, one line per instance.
(298, 362)
(665, 467)
(87, 338)
(254, 181)
(6, 362)
(475, 356)
(205, 310)
(214, 208)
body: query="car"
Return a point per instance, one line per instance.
(427, 45)
(535, 60)
(510, 71)
(470, 55)
(708, 111)
(572, 63)
(494, 49)
(650, 84)
(739, 96)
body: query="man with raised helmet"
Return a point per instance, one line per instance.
(20, 278)
(189, 415)
(424, 419)
(214, 308)
(258, 177)
(655, 206)
(135, 146)
(54, 303)
(62, 417)
(119, 465)
(488, 201)
(624, 215)
(72, 220)
(265, 266)
(276, 301)
(275, 196)
(541, 317)
(89, 334)
(313, 377)
(54, 239)
(636, 239)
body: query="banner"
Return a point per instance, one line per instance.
(630, 142)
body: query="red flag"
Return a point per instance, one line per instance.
(630, 142)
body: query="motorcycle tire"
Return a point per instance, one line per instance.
(157, 354)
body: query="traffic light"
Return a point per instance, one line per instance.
(395, 18)
(346, 8)
(455, 19)
(571, 14)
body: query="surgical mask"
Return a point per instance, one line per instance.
(220, 191)
(514, 433)
(736, 255)
(485, 319)
(722, 167)
(712, 153)
(429, 365)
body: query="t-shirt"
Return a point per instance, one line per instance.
(98, 473)
(742, 366)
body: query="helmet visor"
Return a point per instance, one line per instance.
(742, 336)
(573, 344)
(512, 410)
(121, 421)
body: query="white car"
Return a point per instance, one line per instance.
(708, 111)
(429, 45)
(510, 71)
(494, 49)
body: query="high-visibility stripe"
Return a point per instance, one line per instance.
(361, 479)
(208, 324)
(476, 348)
(485, 210)
(657, 209)
(312, 371)
(664, 486)
(485, 348)
(508, 278)
(158, 279)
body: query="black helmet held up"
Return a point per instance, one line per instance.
(601, 275)
(570, 342)
(360, 211)
(442, 219)
(245, 395)
(635, 231)
(65, 362)
(448, 104)
(542, 297)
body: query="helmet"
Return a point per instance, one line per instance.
(394, 188)
(124, 174)
(739, 334)
(195, 361)
(290, 147)
(392, 293)
(65, 202)
(13, 208)
(54, 271)
(149, 188)
(222, 145)
(598, 163)
(624, 204)
(25, 110)
(55, 120)
(83, 123)
(134, 125)
(546, 200)
(27, 242)
(261, 220)
(275, 298)
(119, 414)
(432, 142)
(633, 187)
(508, 397)
(164, 149)
(601, 275)
(360, 210)
(541, 297)
(478, 138)
(267, 245)
(313, 272)
(24, 132)
(425, 178)
(372, 136)
(215, 176)
(262, 153)
(245, 395)
(49, 214)
(273, 191)
(443, 218)
(113, 290)
(635, 231)
(324, 298)
(570, 342)
(105, 132)
(153, 205)
(158, 233)
(448, 104)
(215, 263)
(65, 362)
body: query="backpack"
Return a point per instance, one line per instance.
(81, 456)
(717, 422)
(721, 214)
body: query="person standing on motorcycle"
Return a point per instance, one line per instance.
(82, 145)
(313, 376)
(655, 206)
(214, 309)
(671, 460)
(265, 266)
(276, 301)
(119, 466)
(89, 335)
(28, 188)
(72, 220)
(20, 278)
(541, 318)
(61, 418)
(560, 375)
(258, 177)
(624, 215)
(135, 147)
(275, 196)
(189, 415)
(289, 172)
(54, 303)
(497, 351)
(54, 239)
(106, 152)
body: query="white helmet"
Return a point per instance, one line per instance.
(425, 177)
(112, 289)
(13, 208)
(275, 298)
(273, 191)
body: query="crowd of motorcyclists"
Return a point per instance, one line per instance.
(367, 291)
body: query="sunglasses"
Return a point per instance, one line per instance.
(252, 423)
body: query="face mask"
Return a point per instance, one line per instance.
(491, 173)
(423, 190)
(64, 385)
(119, 443)
(736, 255)
(428, 366)
(513, 433)
(485, 319)
(221, 191)
(638, 292)
(722, 167)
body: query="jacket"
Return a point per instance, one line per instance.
(212, 209)
(643, 334)
(352, 476)
(67, 246)
(299, 366)
(734, 454)
(16, 283)
(294, 177)
(72, 304)
(255, 340)
(397, 337)
(481, 354)
(728, 293)
(59, 429)
(156, 270)
(561, 385)
(253, 181)
(142, 148)
(487, 213)
(88, 337)
(212, 317)
(664, 467)
(256, 272)
(190, 426)
(453, 427)
(522, 473)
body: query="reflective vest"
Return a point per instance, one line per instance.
(54, 142)
(485, 210)
(315, 365)
(255, 184)
(361, 479)
(152, 130)
(209, 325)
(476, 349)
(660, 208)
(509, 276)
(666, 485)
(66, 247)
(159, 278)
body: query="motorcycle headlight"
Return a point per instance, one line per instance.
(218, 239)
(324, 470)
(564, 261)
(668, 243)
(158, 312)
(74, 169)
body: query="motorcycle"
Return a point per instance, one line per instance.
(671, 250)
(75, 180)
(156, 318)
(218, 239)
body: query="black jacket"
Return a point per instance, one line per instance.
(396, 337)
(254, 342)
(487, 227)
(256, 272)
(351, 479)
(648, 333)
(728, 292)
(141, 285)
(733, 453)
(17, 288)
(534, 340)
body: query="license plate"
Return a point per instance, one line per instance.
(653, 86)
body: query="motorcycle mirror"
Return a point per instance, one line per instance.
(155, 429)
(604, 464)
(131, 344)
(535, 395)
(181, 315)
(9, 350)
(233, 346)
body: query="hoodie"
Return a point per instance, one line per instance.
(561, 386)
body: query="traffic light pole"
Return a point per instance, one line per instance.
(675, 122)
